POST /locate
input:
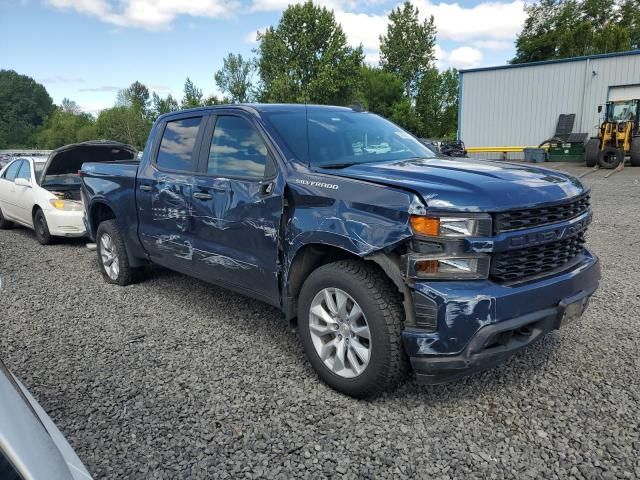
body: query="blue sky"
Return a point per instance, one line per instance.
(86, 50)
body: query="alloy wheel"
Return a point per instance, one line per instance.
(340, 332)
(109, 256)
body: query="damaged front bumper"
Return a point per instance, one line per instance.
(481, 323)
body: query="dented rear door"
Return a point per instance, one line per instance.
(164, 192)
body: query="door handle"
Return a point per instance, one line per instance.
(146, 188)
(202, 196)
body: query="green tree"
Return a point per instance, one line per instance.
(24, 106)
(124, 124)
(70, 106)
(192, 95)
(630, 19)
(407, 49)
(135, 95)
(380, 90)
(64, 126)
(568, 28)
(235, 77)
(437, 104)
(306, 58)
(160, 106)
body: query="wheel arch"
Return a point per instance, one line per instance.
(314, 255)
(99, 212)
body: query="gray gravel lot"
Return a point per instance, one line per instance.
(174, 378)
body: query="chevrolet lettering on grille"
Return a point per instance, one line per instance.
(555, 234)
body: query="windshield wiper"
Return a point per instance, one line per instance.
(337, 165)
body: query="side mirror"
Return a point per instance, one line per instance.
(22, 182)
(599, 108)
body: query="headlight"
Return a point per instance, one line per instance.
(462, 267)
(451, 226)
(66, 205)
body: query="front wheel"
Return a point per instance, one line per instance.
(112, 255)
(350, 321)
(634, 152)
(41, 228)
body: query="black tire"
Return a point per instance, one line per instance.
(126, 274)
(634, 152)
(4, 223)
(381, 305)
(610, 157)
(592, 152)
(41, 228)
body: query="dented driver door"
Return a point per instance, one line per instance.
(237, 206)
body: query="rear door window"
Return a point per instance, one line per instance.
(178, 144)
(11, 172)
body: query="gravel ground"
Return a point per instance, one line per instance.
(174, 378)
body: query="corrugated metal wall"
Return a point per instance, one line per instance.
(520, 106)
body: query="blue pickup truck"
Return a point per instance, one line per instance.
(386, 256)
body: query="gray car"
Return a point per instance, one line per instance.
(31, 446)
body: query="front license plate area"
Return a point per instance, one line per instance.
(571, 312)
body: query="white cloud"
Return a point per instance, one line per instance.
(465, 57)
(362, 28)
(488, 20)
(62, 79)
(493, 44)
(148, 14)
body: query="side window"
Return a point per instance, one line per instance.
(236, 149)
(25, 171)
(11, 172)
(178, 143)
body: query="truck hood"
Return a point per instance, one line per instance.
(470, 185)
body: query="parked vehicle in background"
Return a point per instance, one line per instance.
(31, 446)
(44, 193)
(340, 218)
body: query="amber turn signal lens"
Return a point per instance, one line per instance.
(425, 225)
(427, 266)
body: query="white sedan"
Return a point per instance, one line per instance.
(25, 201)
(44, 195)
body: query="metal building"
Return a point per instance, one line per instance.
(518, 105)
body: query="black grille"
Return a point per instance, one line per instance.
(518, 265)
(532, 217)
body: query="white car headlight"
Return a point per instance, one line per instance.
(66, 205)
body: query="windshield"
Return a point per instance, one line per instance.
(334, 138)
(622, 112)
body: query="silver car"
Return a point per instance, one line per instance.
(31, 446)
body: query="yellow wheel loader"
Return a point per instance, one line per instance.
(618, 136)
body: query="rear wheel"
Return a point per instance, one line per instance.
(112, 255)
(41, 228)
(4, 223)
(634, 152)
(611, 157)
(591, 152)
(350, 321)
